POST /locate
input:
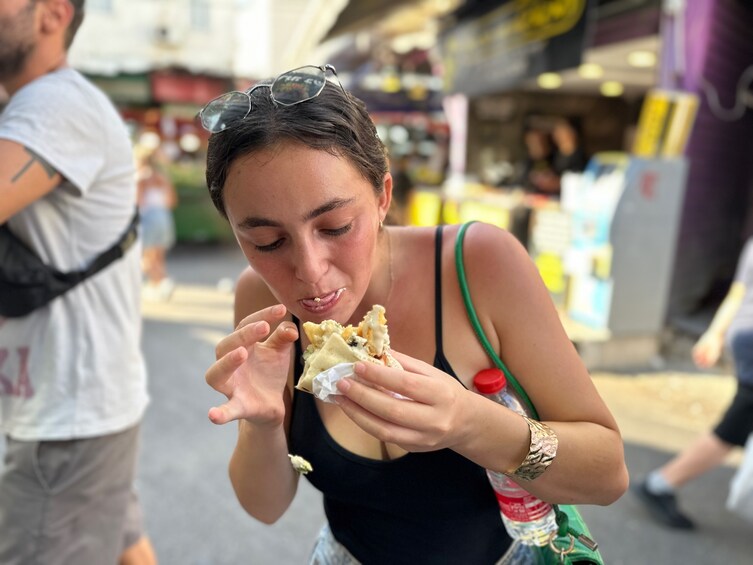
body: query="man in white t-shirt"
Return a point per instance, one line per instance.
(72, 374)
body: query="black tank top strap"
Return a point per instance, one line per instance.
(440, 361)
(438, 292)
(297, 370)
(298, 360)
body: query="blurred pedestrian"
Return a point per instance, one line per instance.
(732, 324)
(297, 168)
(538, 175)
(72, 376)
(402, 188)
(568, 153)
(156, 199)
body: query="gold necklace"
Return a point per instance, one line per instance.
(390, 268)
(385, 453)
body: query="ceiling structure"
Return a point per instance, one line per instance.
(409, 24)
(391, 18)
(612, 64)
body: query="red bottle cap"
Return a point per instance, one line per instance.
(489, 381)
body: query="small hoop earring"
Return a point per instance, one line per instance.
(381, 224)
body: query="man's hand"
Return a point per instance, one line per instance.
(708, 350)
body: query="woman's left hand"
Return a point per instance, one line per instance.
(434, 418)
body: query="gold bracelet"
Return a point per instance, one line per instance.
(541, 452)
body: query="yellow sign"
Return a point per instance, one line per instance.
(665, 123)
(424, 208)
(552, 271)
(471, 210)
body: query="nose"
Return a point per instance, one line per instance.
(311, 261)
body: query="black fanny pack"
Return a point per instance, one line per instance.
(27, 283)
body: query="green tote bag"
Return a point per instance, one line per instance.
(573, 544)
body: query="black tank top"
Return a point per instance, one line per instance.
(433, 508)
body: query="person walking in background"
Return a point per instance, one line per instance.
(72, 375)
(732, 324)
(297, 168)
(156, 198)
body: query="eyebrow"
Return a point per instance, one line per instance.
(258, 222)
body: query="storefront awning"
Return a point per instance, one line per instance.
(186, 88)
(360, 14)
(125, 89)
(510, 43)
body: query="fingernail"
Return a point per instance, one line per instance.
(359, 368)
(343, 385)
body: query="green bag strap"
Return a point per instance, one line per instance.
(477, 324)
(562, 519)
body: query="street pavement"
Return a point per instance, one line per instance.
(193, 517)
(190, 510)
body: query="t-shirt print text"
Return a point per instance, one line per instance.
(14, 372)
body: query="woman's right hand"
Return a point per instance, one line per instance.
(707, 350)
(251, 369)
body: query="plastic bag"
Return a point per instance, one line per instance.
(740, 499)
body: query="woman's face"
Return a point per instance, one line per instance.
(307, 222)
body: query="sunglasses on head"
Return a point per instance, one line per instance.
(288, 89)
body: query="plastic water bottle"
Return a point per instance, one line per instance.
(526, 517)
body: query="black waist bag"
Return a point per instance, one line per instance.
(26, 283)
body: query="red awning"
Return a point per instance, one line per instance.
(172, 87)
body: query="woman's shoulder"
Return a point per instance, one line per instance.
(497, 266)
(487, 244)
(251, 294)
(252, 288)
(481, 232)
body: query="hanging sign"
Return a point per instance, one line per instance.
(518, 40)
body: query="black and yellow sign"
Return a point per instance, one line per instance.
(667, 117)
(512, 42)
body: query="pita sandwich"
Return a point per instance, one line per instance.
(333, 343)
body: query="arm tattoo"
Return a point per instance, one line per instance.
(49, 169)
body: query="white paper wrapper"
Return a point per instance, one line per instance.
(324, 385)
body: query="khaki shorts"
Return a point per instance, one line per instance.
(65, 502)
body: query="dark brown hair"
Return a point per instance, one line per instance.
(334, 121)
